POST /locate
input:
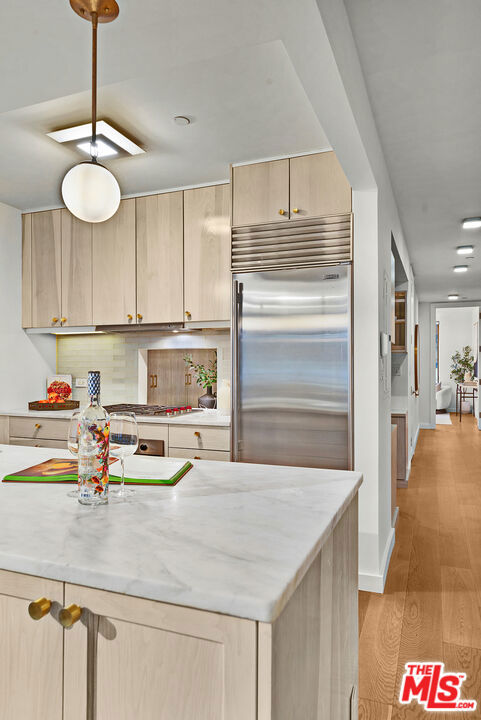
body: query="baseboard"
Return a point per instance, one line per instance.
(427, 426)
(395, 517)
(375, 583)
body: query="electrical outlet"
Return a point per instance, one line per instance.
(81, 382)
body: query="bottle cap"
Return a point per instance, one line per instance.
(93, 382)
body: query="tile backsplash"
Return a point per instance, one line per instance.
(116, 355)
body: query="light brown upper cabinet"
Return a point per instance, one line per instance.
(261, 192)
(299, 187)
(207, 277)
(27, 270)
(76, 271)
(114, 291)
(46, 268)
(160, 257)
(318, 186)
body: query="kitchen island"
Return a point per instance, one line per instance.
(232, 596)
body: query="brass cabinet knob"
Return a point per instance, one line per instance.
(37, 426)
(295, 210)
(130, 317)
(39, 608)
(196, 457)
(197, 434)
(55, 319)
(139, 316)
(69, 615)
(188, 315)
(282, 212)
(63, 320)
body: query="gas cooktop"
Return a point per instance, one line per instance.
(154, 410)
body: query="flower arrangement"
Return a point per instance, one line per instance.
(462, 364)
(206, 377)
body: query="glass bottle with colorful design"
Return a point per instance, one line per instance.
(93, 450)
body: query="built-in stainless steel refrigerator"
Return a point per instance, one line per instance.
(292, 374)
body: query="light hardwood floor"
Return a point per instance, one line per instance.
(431, 608)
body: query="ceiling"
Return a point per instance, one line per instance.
(222, 64)
(422, 63)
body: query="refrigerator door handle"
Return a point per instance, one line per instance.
(238, 288)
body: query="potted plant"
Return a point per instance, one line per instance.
(206, 378)
(462, 365)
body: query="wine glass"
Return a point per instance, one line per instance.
(124, 440)
(72, 442)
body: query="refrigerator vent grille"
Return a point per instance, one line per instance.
(292, 243)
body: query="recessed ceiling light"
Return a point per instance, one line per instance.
(460, 268)
(464, 249)
(471, 223)
(84, 132)
(182, 120)
(453, 297)
(103, 150)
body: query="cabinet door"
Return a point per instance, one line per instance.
(260, 192)
(160, 257)
(207, 277)
(76, 271)
(114, 294)
(46, 268)
(318, 186)
(31, 651)
(27, 270)
(132, 658)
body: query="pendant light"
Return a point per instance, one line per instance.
(89, 190)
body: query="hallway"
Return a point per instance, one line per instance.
(431, 608)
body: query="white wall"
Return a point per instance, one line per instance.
(25, 360)
(455, 332)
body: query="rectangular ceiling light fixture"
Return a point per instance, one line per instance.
(111, 138)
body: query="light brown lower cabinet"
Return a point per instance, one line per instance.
(128, 657)
(31, 653)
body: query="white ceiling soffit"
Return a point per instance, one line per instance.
(222, 64)
(421, 62)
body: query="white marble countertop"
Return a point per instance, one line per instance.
(216, 418)
(232, 538)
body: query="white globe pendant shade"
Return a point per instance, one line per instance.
(91, 192)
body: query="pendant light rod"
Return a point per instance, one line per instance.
(94, 84)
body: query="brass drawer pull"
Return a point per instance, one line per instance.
(197, 434)
(37, 426)
(39, 608)
(69, 615)
(196, 457)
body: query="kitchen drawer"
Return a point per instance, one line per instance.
(153, 431)
(36, 427)
(199, 437)
(28, 442)
(192, 454)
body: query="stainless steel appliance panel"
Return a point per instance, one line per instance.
(292, 367)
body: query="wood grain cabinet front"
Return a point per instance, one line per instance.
(114, 258)
(46, 268)
(318, 186)
(130, 657)
(207, 277)
(31, 651)
(160, 257)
